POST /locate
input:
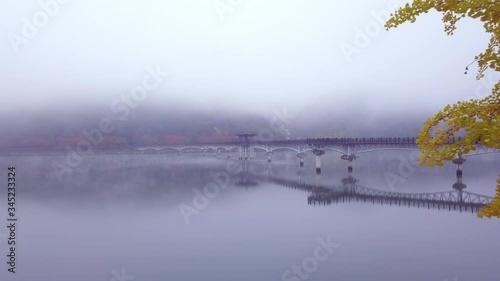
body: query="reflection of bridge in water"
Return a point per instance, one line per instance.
(350, 191)
(450, 200)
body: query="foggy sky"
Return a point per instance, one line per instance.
(263, 55)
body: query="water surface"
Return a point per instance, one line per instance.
(124, 212)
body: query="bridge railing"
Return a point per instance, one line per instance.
(333, 141)
(326, 141)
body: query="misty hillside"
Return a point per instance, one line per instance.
(145, 126)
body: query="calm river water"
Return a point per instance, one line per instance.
(189, 217)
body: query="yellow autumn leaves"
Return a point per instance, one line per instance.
(493, 209)
(479, 119)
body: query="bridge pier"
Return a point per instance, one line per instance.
(269, 156)
(240, 153)
(459, 162)
(459, 185)
(349, 159)
(301, 156)
(318, 153)
(301, 173)
(318, 165)
(318, 180)
(269, 171)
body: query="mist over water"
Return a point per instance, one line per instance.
(123, 212)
